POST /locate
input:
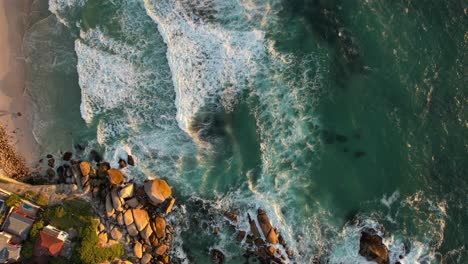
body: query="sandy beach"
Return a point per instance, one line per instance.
(15, 113)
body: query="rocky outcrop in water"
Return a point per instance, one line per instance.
(372, 248)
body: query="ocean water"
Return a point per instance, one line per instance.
(333, 116)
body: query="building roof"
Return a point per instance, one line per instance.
(48, 245)
(8, 252)
(18, 225)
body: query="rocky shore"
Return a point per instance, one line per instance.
(11, 163)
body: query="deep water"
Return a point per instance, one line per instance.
(331, 115)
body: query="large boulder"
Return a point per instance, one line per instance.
(138, 250)
(116, 201)
(115, 177)
(157, 191)
(267, 229)
(372, 248)
(109, 208)
(126, 191)
(141, 218)
(159, 227)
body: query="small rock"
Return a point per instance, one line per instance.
(95, 156)
(146, 233)
(130, 160)
(51, 162)
(102, 238)
(50, 173)
(159, 227)
(217, 256)
(215, 230)
(67, 156)
(138, 250)
(132, 230)
(146, 258)
(120, 219)
(161, 250)
(115, 177)
(109, 208)
(102, 169)
(116, 233)
(122, 163)
(101, 227)
(116, 201)
(133, 203)
(271, 250)
(169, 203)
(233, 217)
(128, 217)
(241, 235)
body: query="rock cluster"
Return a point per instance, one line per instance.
(262, 241)
(129, 214)
(10, 161)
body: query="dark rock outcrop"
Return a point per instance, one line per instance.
(372, 248)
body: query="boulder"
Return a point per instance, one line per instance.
(141, 218)
(159, 227)
(101, 227)
(85, 167)
(133, 203)
(115, 177)
(146, 233)
(102, 169)
(372, 248)
(116, 233)
(77, 176)
(109, 208)
(168, 204)
(128, 217)
(132, 230)
(127, 191)
(267, 229)
(116, 201)
(217, 256)
(157, 191)
(231, 216)
(102, 238)
(138, 250)
(241, 235)
(146, 258)
(161, 250)
(67, 156)
(253, 227)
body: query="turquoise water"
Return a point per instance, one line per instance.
(331, 115)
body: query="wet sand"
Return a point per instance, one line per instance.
(15, 111)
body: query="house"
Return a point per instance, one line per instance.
(19, 225)
(9, 252)
(51, 242)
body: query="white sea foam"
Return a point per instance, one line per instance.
(209, 63)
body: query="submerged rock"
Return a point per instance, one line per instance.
(217, 256)
(231, 216)
(372, 248)
(157, 190)
(122, 163)
(130, 160)
(67, 156)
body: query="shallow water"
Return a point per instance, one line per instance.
(331, 115)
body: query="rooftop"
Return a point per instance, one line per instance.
(8, 251)
(18, 225)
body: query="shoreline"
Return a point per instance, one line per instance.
(16, 115)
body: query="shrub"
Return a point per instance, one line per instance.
(58, 260)
(59, 212)
(42, 199)
(36, 228)
(27, 250)
(29, 194)
(13, 200)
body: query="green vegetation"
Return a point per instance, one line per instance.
(89, 251)
(42, 199)
(58, 260)
(27, 250)
(36, 228)
(29, 195)
(77, 214)
(13, 200)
